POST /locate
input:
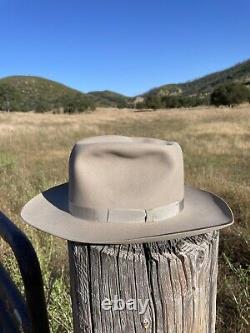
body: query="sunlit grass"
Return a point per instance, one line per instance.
(34, 150)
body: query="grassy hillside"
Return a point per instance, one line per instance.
(29, 93)
(108, 98)
(26, 93)
(216, 150)
(239, 73)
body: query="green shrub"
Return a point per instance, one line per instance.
(73, 103)
(140, 105)
(42, 106)
(9, 98)
(153, 102)
(230, 94)
(174, 101)
(122, 104)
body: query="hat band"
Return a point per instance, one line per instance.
(115, 215)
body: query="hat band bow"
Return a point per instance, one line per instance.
(120, 215)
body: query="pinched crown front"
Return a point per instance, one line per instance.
(116, 178)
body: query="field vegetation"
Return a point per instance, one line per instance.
(29, 93)
(34, 151)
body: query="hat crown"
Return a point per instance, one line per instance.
(117, 172)
(126, 190)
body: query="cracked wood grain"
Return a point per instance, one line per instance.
(178, 277)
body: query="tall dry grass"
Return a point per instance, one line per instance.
(216, 143)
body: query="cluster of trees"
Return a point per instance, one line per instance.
(74, 103)
(230, 94)
(123, 104)
(9, 98)
(12, 99)
(226, 94)
(171, 101)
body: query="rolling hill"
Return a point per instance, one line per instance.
(30, 93)
(25, 93)
(109, 98)
(239, 73)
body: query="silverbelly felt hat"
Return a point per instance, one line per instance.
(126, 190)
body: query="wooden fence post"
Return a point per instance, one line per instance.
(177, 277)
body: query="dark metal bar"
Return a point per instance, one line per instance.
(13, 298)
(30, 271)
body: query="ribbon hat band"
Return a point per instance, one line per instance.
(116, 215)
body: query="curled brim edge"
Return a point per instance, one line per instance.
(203, 212)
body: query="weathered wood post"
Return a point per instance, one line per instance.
(178, 277)
(125, 190)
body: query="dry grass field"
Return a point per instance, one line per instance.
(34, 150)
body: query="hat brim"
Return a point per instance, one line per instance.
(203, 212)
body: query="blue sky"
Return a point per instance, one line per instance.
(127, 46)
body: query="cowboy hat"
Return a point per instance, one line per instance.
(126, 190)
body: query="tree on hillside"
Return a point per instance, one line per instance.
(140, 106)
(73, 103)
(9, 98)
(42, 106)
(153, 102)
(230, 94)
(171, 101)
(122, 104)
